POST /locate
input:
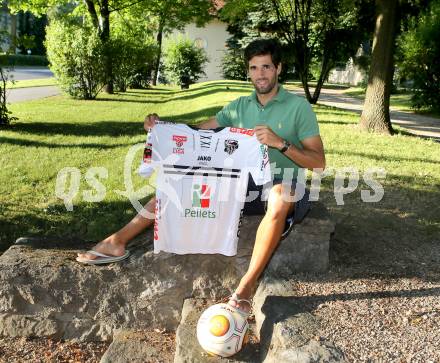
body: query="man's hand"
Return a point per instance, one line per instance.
(266, 136)
(150, 121)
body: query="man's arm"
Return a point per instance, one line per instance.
(210, 124)
(311, 156)
(150, 121)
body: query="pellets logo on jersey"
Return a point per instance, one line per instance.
(201, 198)
(201, 195)
(231, 146)
(179, 140)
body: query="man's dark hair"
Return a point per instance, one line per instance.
(263, 47)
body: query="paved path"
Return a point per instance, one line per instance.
(31, 93)
(420, 125)
(22, 73)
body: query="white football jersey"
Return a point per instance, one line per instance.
(201, 185)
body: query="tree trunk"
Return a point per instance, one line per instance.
(304, 77)
(326, 65)
(92, 12)
(155, 78)
(105, 37)
(376, 113)
(13, 44)
(305, 84)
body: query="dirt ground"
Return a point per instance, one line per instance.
(38, 350)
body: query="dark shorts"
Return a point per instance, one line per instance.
(258, 206)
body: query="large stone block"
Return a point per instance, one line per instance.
(45, 292)
(306, 249)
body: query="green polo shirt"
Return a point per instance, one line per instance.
(288, 115)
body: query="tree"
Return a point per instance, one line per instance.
(419, 54)
(169, 15)
(234, 66)
(376, 115)
(315, 32)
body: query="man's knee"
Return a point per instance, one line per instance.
(278, 206)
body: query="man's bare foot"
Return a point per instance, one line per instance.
(110, 246)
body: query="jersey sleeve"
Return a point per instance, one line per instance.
(146, 168)
(261, 172)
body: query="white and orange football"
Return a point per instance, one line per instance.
(222, 330)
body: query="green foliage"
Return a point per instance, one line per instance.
(5, 117)
(26, 41)
(316, 34)
(184, 62)
(132, 62)
(168, 15)
(76, 58)
(419, 58)
(234, 66)
(23, 60)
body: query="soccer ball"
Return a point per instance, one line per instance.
(222, 330)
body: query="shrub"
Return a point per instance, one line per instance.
(76, 56)
(184, 62)
(420, 54)
(234, 66)
(23, 60)
(132, 62)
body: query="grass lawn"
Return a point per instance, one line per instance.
(58, 132)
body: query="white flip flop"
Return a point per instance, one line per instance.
(236, 299)
(102, 258)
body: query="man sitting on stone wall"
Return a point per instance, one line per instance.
(285, 123)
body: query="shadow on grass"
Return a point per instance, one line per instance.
(370, 156)
(330, 122)
(328, 110)
(87, 223)
(396, 236)
(98, 128)
(104, 128)
(179, 97)
(30, 143)
(193, 88)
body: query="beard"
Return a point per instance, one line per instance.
(267, 86)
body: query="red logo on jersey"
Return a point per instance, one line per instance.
(240, 130)
(179, 140)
